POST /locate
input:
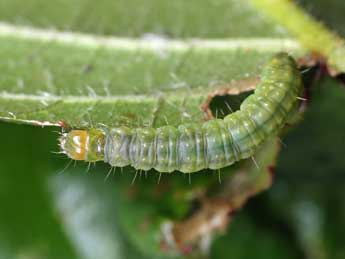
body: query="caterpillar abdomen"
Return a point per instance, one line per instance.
(192, 147)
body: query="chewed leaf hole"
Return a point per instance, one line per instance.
(222, 105)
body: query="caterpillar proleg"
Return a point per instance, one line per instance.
(192, 147)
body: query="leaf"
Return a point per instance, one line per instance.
(135, 18)
(51, 77)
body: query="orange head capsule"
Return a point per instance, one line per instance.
(87, 145)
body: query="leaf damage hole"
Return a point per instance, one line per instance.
(227, 98)
(222, 105)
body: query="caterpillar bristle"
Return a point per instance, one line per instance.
(109, 173)
(255, 162)
(219, 177)
(135, 176)
(65, 167)
(301, 98)
(159, 178)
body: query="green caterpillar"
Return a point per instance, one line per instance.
(192, 147)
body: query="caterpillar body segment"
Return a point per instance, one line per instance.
(192, 147)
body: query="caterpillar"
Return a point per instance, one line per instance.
(192, 147)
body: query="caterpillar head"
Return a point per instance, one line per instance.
(87, 145)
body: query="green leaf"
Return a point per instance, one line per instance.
(135, 18)
(49, 78)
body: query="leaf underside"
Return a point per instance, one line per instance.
(49, 77)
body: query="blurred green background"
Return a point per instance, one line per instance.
(48, 212)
